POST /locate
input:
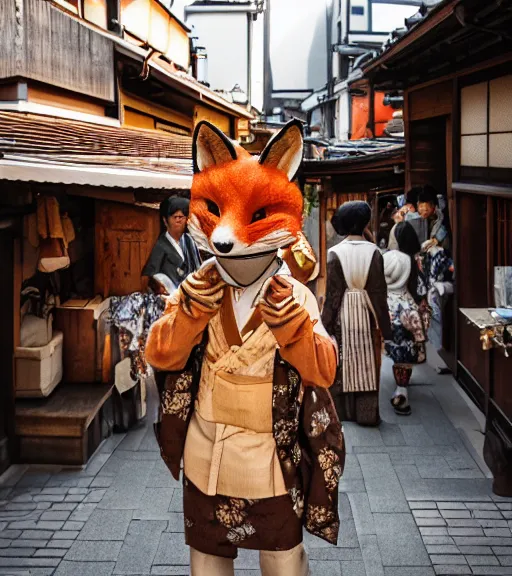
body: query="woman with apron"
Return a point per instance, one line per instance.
(356, 314)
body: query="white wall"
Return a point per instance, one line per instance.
(388, 17)
(178, 7)
(258, 70)
(298, 50)
(224, 36)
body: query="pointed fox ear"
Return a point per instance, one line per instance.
(210, 147)
(284, 150)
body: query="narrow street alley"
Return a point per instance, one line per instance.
(415, 500)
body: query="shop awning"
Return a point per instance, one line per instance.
(58, 151)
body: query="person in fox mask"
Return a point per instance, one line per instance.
(245, 366)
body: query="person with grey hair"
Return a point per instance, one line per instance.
(356, 314)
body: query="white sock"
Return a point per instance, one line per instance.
(401, 391)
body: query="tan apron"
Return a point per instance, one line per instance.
(358, 353)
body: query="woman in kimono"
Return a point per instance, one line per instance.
(356, 314)
(409, 311)
(175, 254)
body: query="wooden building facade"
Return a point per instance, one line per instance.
(97, 110)
(375, 177)
(455, 68)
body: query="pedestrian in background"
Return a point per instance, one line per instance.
(356, 314)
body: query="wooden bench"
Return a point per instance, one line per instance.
(65, 428)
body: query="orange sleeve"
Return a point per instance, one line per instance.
(172, 337)
(313, 355)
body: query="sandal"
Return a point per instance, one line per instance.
(401, 406)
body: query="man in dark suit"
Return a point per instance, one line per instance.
(175, 254)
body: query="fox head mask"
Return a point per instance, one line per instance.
(245, 208)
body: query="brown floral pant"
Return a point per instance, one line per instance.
(219, 525)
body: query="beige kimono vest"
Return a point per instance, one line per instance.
(230, 448)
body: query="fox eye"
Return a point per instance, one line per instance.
(259, 215)
(213, 208)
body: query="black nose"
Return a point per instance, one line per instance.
(223, 247)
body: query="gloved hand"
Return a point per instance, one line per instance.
(204, 287)
(277, 304)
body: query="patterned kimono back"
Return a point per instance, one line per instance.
(358, 356)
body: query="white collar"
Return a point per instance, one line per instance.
(176, 245)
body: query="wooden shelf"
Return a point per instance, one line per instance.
(66, 427)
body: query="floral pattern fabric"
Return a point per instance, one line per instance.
(408, 343)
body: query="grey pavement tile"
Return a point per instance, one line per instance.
(433, 531)
(351, 486)
(138, 456)
(52, 515)
(335, 553)
(111, 443)
(504, 505)
(63, 507)
(107, 525)
(248, 560)
(449, 569)
(19, 543)
(371, 555)
(176, 504)
(463, 523)
(442, 548)
(84, 568)
(149, 443)
(37, 534)
(28, 562)
(325, 568)
(362, 436)
(430, 521)
(174, 571)
(94, 551)
(352, 470)
(480, 550)
(348, 533)
(505, 532)
(5, 542)
(60, 544)
(17, 552)
(384, 490)
(82, 512)
(409, 571)
(437, 540)
(452, 506)
(446, 559)
(391, 434)
(422, 505)
(161, 477)
(481, 541)
(353, 568)
(416, 436)
(456, 513)
(362, 514)
(502, 550)
(505, 560)
(415, 489)
(96, 464)
(491, 570)
(463, 490)
(175, 522)
(95, 496)
(51, 552)
(482, 506)
(32, 479)
(66, 535)
(172, 550)
(139, 548)
(8, 533)
(478, 560)
(154, 504)
(133, 440)
(461, 531)
(426, 514)
(128, 488)
(488, 514)
(400, 541)
(73, 525)
(102, 482)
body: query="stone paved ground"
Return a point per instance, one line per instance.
(415, 500)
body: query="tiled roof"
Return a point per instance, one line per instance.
(38, 135)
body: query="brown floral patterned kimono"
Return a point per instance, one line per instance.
(310, 454)
(310, 450)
